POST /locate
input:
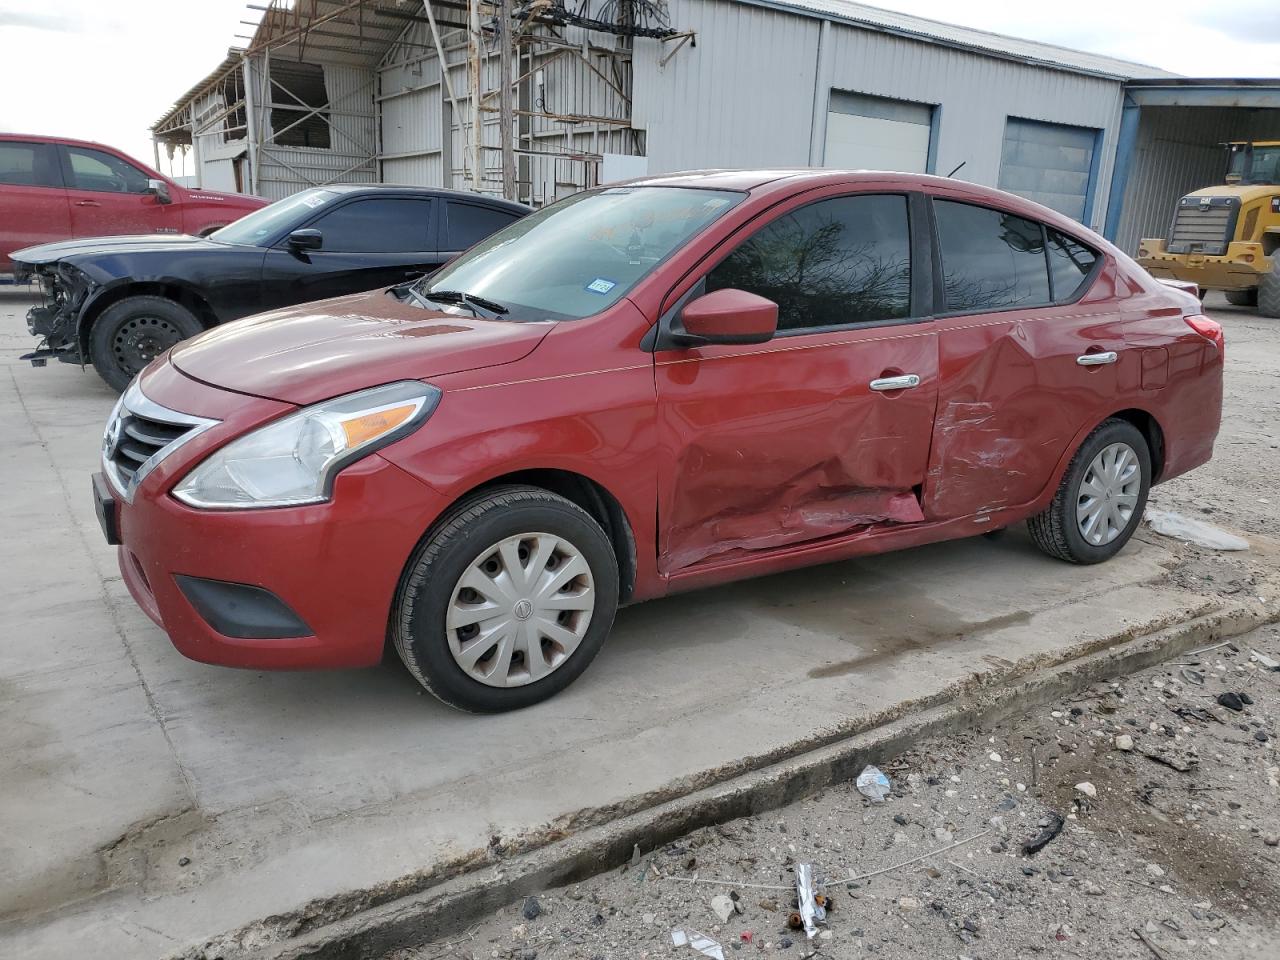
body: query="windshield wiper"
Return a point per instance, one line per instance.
(464, 299)
(411, 291)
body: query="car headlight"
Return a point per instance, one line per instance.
(293, 460)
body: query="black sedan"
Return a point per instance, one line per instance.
(118, 302)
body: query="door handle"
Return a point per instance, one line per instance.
(904, 382)
(87, 203)
(1097, 359)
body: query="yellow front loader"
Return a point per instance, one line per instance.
(1226, 238)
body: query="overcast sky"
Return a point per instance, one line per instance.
(107, 70)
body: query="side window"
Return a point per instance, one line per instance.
(469, 223)
(104, 172)
(1070, 262)
(377, 225)
(839, 261)
(990, 260)
(28, 165)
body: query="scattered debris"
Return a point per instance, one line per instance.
(1182, 762)
(722, 907)
(873, 784)
(1167, 523)
(811, 913)
(1232, 701)
(1124, 742)
(1088, 789)
(1051, 826)
(532, 909)
(1267, 663)
(698, 941)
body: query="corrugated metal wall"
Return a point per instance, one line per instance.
(1179, 150)
(745, 96)
(284, 170)
(414, 106)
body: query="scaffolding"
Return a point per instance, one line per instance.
(526, 99)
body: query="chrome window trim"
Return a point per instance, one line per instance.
(134, 401)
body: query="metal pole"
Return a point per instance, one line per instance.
(446, 140)
(473, 58)
(504, 101)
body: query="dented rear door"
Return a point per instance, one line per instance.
(1027, 359)
(810, 435)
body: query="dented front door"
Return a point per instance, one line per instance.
(825, 429)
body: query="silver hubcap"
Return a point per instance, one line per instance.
(520, 610)
(1108, 494)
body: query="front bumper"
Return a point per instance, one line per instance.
(335, 565)
(1238, 269)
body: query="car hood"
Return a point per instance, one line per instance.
(314, 351)
(50, 252)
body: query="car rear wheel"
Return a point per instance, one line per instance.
(507, 601)
(1100, 500)
(129, 334)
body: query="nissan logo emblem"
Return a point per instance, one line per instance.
(111, 440)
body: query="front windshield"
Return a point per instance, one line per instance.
(581, 255)
(1259, 165)
(255, 228)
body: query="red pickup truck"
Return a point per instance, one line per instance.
(53, 188)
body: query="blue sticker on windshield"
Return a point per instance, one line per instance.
(600, 285)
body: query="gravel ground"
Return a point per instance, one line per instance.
(1171, 808)
(1170, 800)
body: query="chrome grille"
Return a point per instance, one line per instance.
(140, 433)
(1203, 225)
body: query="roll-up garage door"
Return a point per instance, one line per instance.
(877, 133)
(1049, 163)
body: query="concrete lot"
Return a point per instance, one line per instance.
(151, 804)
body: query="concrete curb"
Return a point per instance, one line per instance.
(451, 905)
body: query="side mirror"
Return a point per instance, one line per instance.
(307, 239)
(161, 189)
(727, 316)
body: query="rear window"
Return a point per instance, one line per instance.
(1070, 264)
(28, 165)
(991, 260)
(469, 223)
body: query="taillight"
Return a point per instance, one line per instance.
(1211, 330)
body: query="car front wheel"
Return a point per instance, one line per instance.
(131, 333)
(1100, 500)
(507, 601)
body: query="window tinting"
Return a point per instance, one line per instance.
(380, 225)
(104, 172)
(840, 261)
(990, 260)
(470, 223)
(28, 165)
(1069, 263)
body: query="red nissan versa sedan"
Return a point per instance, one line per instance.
(641, 389)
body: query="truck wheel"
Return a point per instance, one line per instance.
(1269, 289)
(507, 601)
(129, 334)
(1242, 298)
(1100, 500)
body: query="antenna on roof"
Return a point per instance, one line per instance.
(957, 167)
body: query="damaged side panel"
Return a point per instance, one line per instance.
(786, 443)
(1011, 397)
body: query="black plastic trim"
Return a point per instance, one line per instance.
(240, 610)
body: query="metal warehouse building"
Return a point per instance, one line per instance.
(539, 100)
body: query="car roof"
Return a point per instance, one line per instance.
(42, 138)
(376, 188)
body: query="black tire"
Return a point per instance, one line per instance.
(1242, 298)
(1269, 289)
(1055, 530)
(458, 539)
(131, 333)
